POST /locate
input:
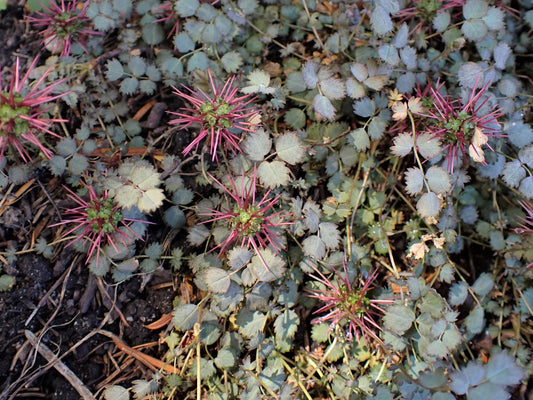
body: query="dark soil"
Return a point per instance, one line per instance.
(59, 301)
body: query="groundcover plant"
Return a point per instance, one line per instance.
(343, 187)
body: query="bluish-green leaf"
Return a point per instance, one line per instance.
(286, 324)
(475, 321)
(185, 316)
(249, 322)
(114, 70)
(502, 370)
(289, 148)
(398, 319)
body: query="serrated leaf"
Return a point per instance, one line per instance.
(289, 148)
(494, 19)
(470, 74)
(114, 70)
(137, 66)
(428, 145)
(414, 181)
(398, 319)
(469, 376)
(183, 42)
(320, 332)
(389, 54)
(447, 273)
(314, 247)
(216, 279)
(354, 89)
(502, 51)
(258, 82)
(225, 359)
(488, 391)
(150, 200)
(441, 21)
(329, 234)
(332, 88)
(273, 174)
(257, 144)
(323, 106)
(377, 82)
(502, 370)
(429, 205)
(381, 21)
(364, 107)
(295, 118)
(143, 177)
(359, 71)
(231, 61)
(513, 173)
(127, 196)
(275, 266)
(483, 284)
(185, 316)
(238, 257)
(197, 235)
(475, 321)
(116, 392)
(475, 9)
(474, 30)
(141, 388)
(286, 324)
(437, 348)
(309, 73)
(433, 304)
(403, 144)
(186, 8)
(458, 293)
(361, 141)
(101, 267)
(129, 86)
(249, 322)
(438, 180)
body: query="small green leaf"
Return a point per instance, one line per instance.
(320, 332)
(289, 148)
(216, 279)
(249, 322)
(398, 319)
(502, 370)
(232, 61)
(475, 321)
(257, 144)
(273, 174)
(314, 247)
(286, 324)
(225, 359)
(114, 70)
(429, 205)
(116, 392)
(6, 282)
(274, 263)
(185, 316)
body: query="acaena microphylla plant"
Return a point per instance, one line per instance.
(219, 116)
(526, 227)
(252, 221)
(97, 221)
(23, 112)
(461, 128)
(64, 24)
(349, 303)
